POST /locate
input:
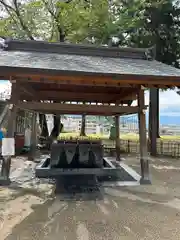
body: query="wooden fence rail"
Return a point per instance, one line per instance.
(164, 148)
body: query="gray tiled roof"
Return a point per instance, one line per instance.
(68, 59)
(90, 64)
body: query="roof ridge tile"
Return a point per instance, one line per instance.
(78, 49)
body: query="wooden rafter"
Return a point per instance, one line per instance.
(76, 96)
(29, 91)
(62, 108)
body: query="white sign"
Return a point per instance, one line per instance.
(8, 147)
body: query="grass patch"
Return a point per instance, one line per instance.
(128, 136)
(173, 138)
(96, 136)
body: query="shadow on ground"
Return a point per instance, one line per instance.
(69, 192)
(78, 188)
(34, 224)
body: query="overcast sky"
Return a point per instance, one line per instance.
(167, 99)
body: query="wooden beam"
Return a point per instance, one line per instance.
(72, 80)
(28, 90)
(32, 152)
(93, 83)
(143, 140)
(86, 80)
(74, 96)
(31, 93)
(44, 75)
(13, 110)
(77, 108)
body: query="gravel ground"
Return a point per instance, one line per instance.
(30, 210)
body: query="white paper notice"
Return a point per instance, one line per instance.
(8, 147)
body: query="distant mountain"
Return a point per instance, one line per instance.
(166, 118)
(170, 120)
(170, 115)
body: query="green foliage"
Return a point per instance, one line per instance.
(5, 26)
(94, 22)
(139, 23)
(112, 135)
(159, 26)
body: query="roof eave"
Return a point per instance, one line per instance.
(107, 79)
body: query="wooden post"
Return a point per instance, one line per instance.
(145, 178)
(32, 152)
(6, 165)
(153, 120)
(118, 149)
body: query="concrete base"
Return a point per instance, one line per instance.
(114, 173)
(145, 181)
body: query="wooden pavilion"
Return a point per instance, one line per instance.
(61, 78)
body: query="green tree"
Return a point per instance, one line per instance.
(160, 28)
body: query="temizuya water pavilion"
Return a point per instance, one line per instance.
(48, 77)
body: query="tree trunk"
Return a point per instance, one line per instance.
(83, 125)
(112, 135)
(57, 126)
(43, 125)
